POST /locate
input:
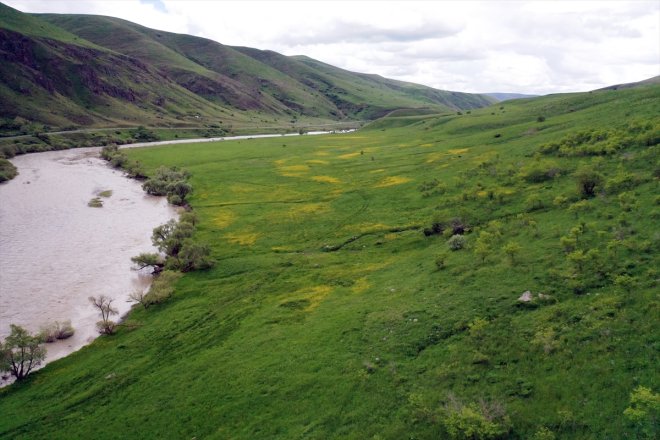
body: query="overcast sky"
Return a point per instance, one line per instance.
(519, 46)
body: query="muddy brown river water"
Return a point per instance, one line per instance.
(56, 251)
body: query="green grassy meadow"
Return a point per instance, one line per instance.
(330, 314)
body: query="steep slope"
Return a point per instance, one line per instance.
(332, 314)
(277, 82)
(53, 77)
(63, 70)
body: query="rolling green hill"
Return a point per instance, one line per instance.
(369, 285)
(91, 71)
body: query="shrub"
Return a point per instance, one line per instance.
(534, 202)
(482, 420)
(483, 245)
(169, 182)
(161, 289)
(625, 282)
(539, 171)
(456, 242)
(512, 249)
(56, 330)
(544, 434)
(7, 170)
(643, 412)
(588, 180)
(440, 262)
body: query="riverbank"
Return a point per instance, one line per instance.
(56, 251)
(11, 147)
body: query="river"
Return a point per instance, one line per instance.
(56, 251)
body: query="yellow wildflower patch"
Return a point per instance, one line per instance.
(314, 295)
(244, 239)
(322, 153)
(326, 179)
(296, 168)
(376, 266)
(348, 155)
(381, 170)
(224, 219)
(360, 285)
(391, 236)
(459, 150)
(309, 208)
(392, 181)
(241, 189)
(482, 193)
(317, 162)
(426, 145)
(434, 157)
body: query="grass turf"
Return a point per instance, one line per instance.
(327, 316)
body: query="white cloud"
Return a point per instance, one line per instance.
(527, 47)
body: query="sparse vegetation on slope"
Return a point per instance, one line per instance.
(541, 324)
(61, 71)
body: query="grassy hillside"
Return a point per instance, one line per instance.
(333, 313)
(261, 79)
(63, 71)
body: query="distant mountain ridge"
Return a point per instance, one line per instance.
(649, 81)
(509, 96)
(85, 70)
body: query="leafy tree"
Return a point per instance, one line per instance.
(643, 411)
(169, 237)
(512, 249)
(588, 180)
(188, 217)
(578, 258)
(21, 352)
(568, 243)
(483, 245)
(578, 207)
(152, 260)
(193, 256)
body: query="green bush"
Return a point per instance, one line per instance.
(7, 170)
(588, 181)
(476, 421)
(643, 412)
(169, 182)
(539, 171)
(456, 242)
